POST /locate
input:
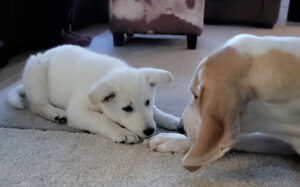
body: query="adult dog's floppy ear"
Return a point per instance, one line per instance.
(101, 91)
(156, 76)
(206, 145)
(218, 130)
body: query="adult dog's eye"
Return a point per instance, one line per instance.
(147, 102)
(127, 108)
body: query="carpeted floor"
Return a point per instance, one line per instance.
(56, 158)
(36, 152)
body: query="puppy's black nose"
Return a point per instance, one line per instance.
(149, 131)
(180, 128)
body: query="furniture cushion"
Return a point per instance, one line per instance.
(261, 12)
(156, 16)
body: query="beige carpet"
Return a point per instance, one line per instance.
(54, 158)
(57, 156)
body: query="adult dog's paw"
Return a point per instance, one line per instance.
(127, 137)
(168, 142)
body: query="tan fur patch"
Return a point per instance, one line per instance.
(275, 76)
(228, 80)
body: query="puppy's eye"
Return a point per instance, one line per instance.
(127, 108)
(147, 102)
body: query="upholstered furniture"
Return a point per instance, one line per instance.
(36, 24)
(3, 55)
(261, 13)
(24, 26)
(174, 17)
(294, 11)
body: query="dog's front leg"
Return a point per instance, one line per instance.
(165, 120)
(169, 142)
(82, 117)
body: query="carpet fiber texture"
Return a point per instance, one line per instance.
(36, 152)
(56, 158)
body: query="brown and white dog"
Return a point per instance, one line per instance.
(246, 97)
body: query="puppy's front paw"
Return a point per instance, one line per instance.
(60, 120)
(59, 116)
(168, 142)
(127, 137)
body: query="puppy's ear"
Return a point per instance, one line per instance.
(101, 91)
(156, 76)
(218, 130)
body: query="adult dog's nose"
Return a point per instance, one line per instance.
(180, 127)
(149, 131)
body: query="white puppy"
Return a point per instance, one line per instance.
(94, 92)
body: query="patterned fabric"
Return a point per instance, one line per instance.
(157, 16)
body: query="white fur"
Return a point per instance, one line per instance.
(255, 45)
(14, 97)
(280, 121)
(169, 142)
(74, 83)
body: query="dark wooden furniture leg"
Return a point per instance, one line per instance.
(264, 25)
(130, 34)
(191, 41)
(118, 39)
